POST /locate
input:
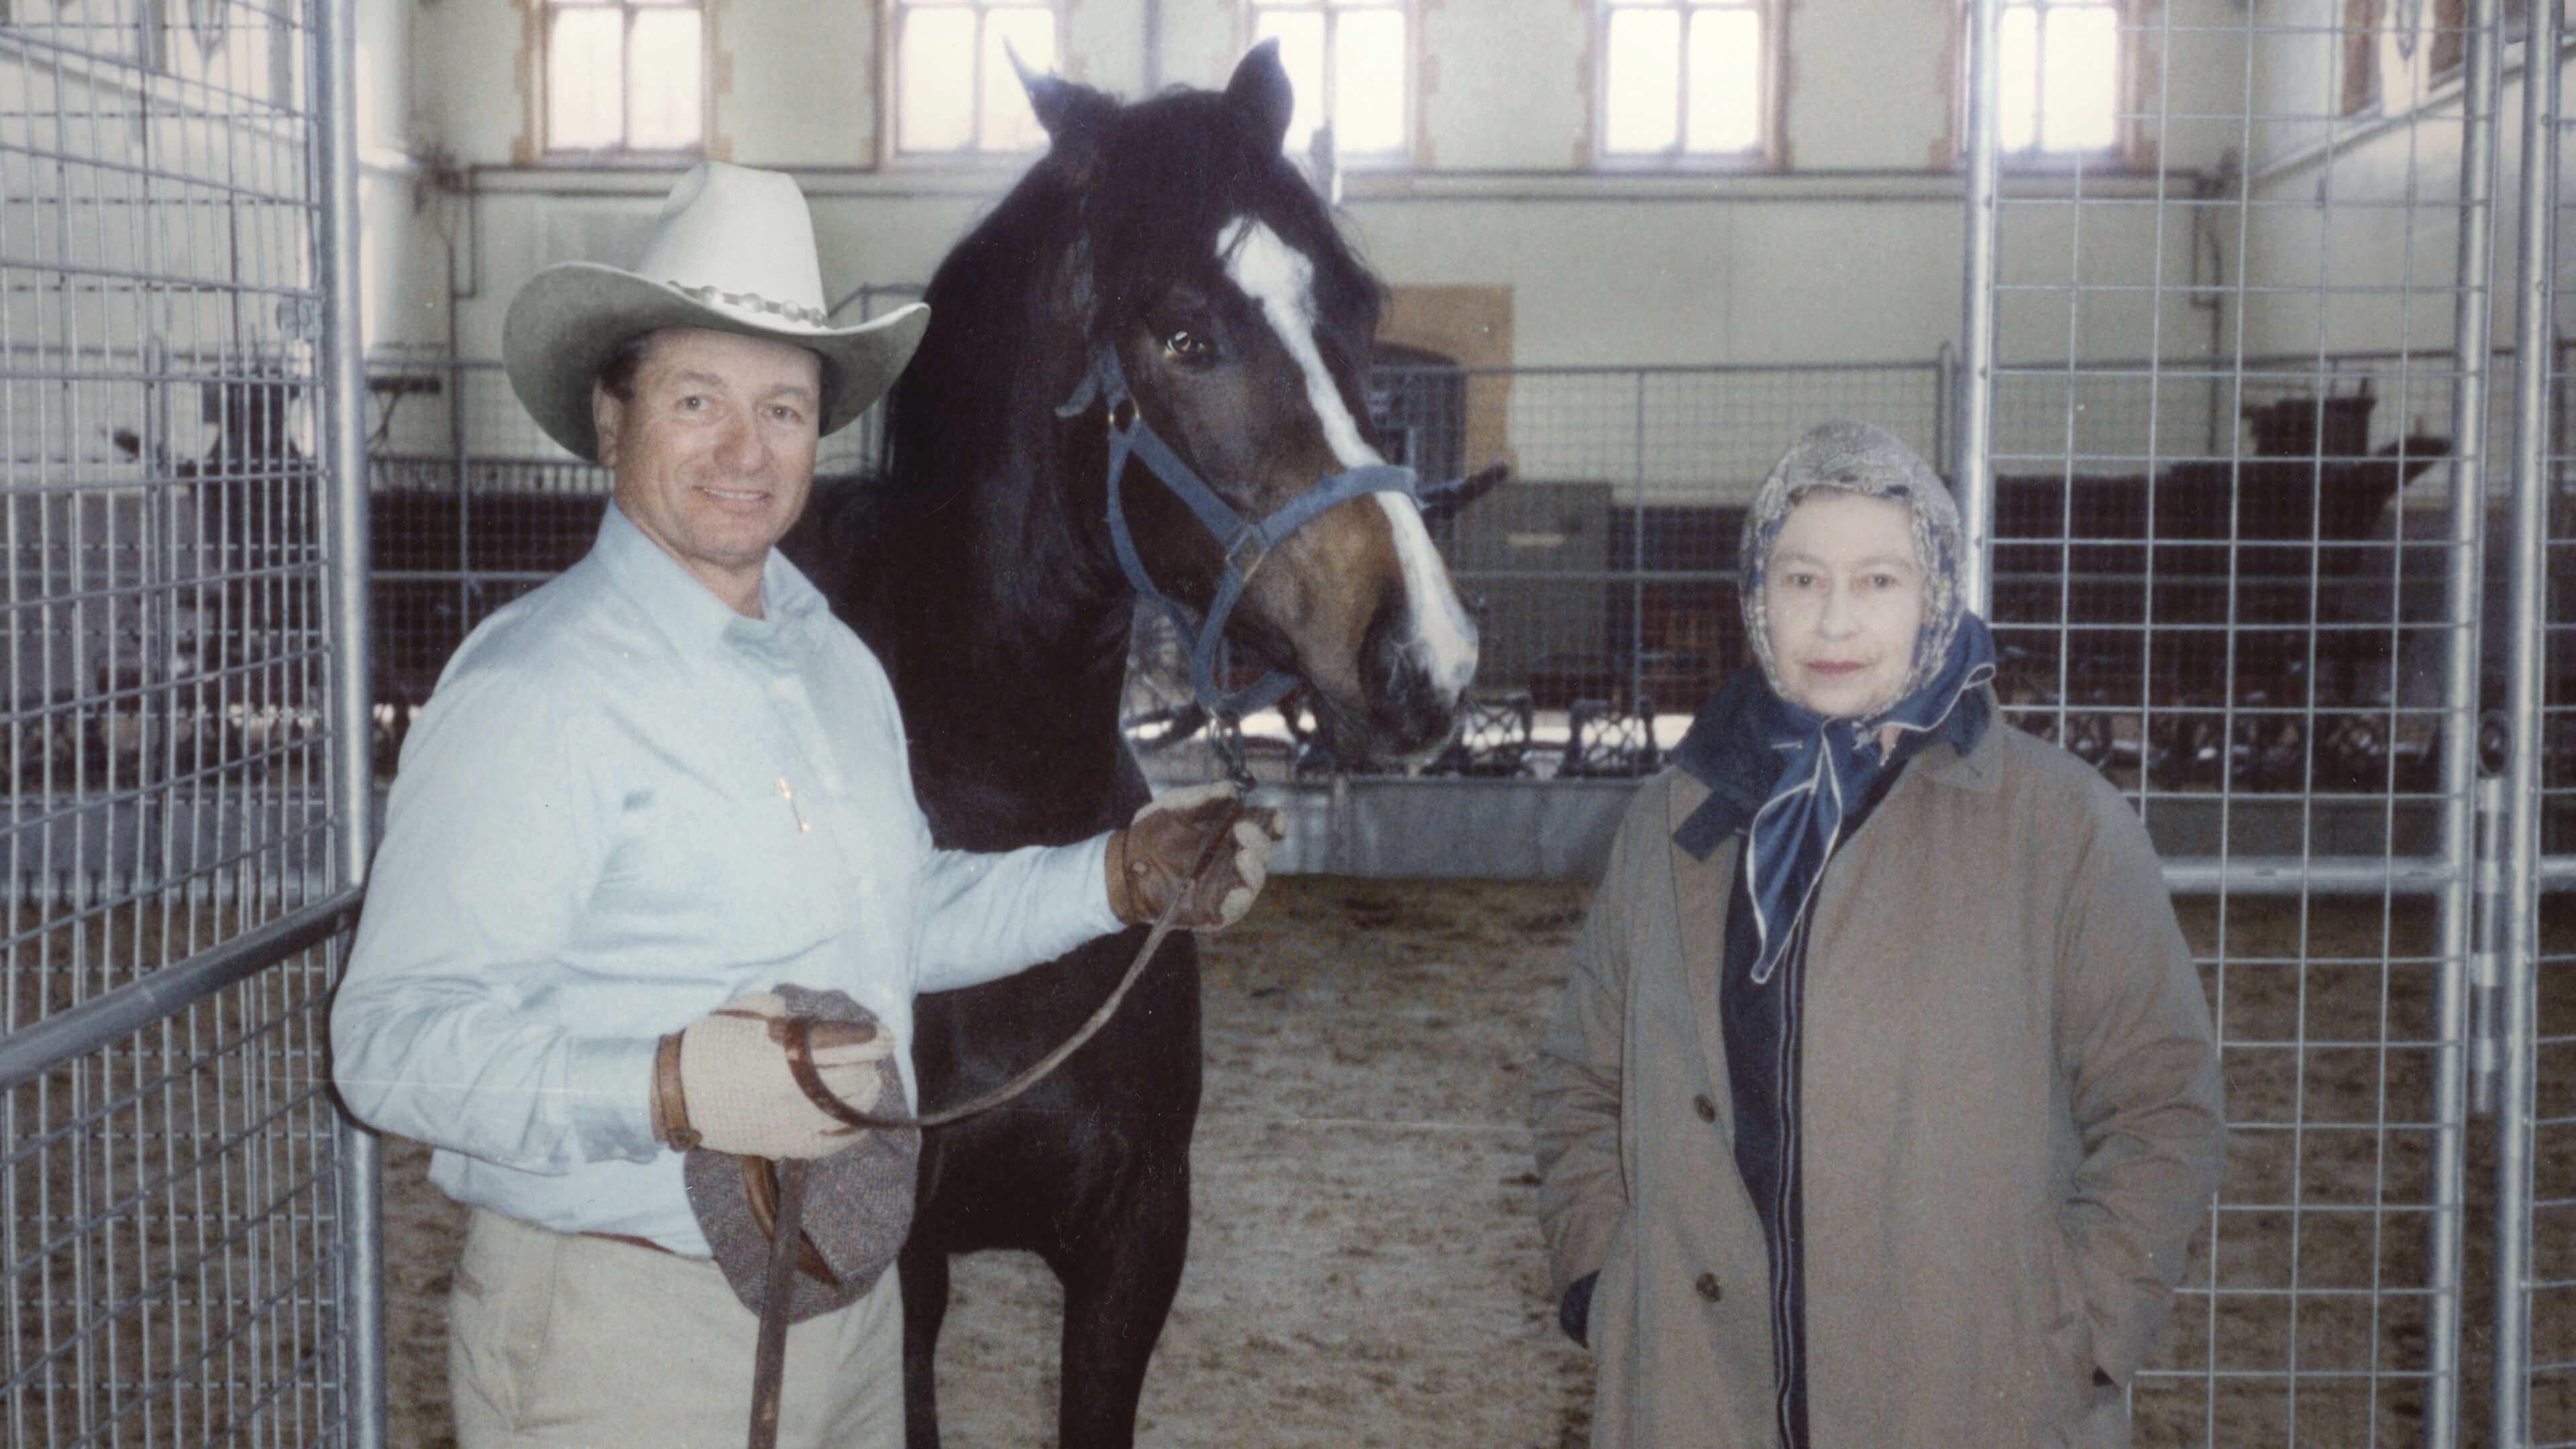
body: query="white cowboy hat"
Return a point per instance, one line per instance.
(733, 252)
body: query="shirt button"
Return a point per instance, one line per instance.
(1707, 1109)
(1708, 1287)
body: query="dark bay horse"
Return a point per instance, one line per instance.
(1173, 236)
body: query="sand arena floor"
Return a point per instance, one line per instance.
(1365, 1267)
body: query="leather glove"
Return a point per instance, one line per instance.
(724, 1082)
(1149, 860)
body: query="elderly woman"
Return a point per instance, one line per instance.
(1882, 1100)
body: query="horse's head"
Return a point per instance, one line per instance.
(1240, 325)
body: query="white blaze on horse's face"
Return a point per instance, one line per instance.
(1281, 281)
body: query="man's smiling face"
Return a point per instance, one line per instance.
(714, 450)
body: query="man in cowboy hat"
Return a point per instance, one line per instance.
(654, 808)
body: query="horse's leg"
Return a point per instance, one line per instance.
(924, 1277)
(1118, 1287)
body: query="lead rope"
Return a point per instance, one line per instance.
(786, 1225)
(778, 1286)
(799, 1030)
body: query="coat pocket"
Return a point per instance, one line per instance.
(1618, 1398)
(1614, 1303)
(2068, 1325)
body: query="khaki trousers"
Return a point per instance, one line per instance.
(583, 1343)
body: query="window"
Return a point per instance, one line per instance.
(2397, 55)
(2452, 22)
(1685, 79)
(955, 93)
(1350, 62)
(2450, 47)
(625, 75)
(2059, 78)
(2358, 86)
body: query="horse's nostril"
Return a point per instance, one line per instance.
(1409, 707)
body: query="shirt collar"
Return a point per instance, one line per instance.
(686, 609)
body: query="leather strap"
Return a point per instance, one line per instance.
(769, 1351)
(632, 1241)
(669, 1102)
(760, 1188)
(796, 1034)
(1245, 542)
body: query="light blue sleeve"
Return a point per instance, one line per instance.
(984, 917)
(495, 835)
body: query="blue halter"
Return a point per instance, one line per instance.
(1246, 543)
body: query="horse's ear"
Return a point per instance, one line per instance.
(1261, 94)
(1069, 112)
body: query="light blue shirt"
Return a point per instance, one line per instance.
(626, 805)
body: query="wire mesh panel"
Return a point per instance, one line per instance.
(2550, 1228)
(2240, 352)
(471, 506)
(173, 1239)
(1603, 573)
(173, 1229)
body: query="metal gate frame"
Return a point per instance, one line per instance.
(2523, 1277)
(2487, 872)
(201, 1311)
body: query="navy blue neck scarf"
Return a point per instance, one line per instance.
(1825, 769)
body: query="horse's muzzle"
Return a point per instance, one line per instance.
(1407, 711)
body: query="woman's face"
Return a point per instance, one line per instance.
(1842, 593)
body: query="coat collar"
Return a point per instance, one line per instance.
(1737, 775)
(1982, 768)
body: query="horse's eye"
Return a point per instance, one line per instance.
(1183, 345)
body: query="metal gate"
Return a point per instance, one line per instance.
(188, 1221)
(2275, 605)
(2532, 993)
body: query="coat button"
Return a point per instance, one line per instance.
(1708, 1287)
(1707, 1109)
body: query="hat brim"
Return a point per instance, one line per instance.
(572, 317)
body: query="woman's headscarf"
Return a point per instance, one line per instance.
(1858, 458)
(1828, 766)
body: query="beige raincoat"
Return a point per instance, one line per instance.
(2011, 1121)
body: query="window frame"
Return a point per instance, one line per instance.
(1769, 153)
(1411, 152)
(889, 69)
(541, 16)
(2418, 53)
(2132, 147)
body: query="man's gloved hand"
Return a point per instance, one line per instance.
(724, 1081)
(1149, 860)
